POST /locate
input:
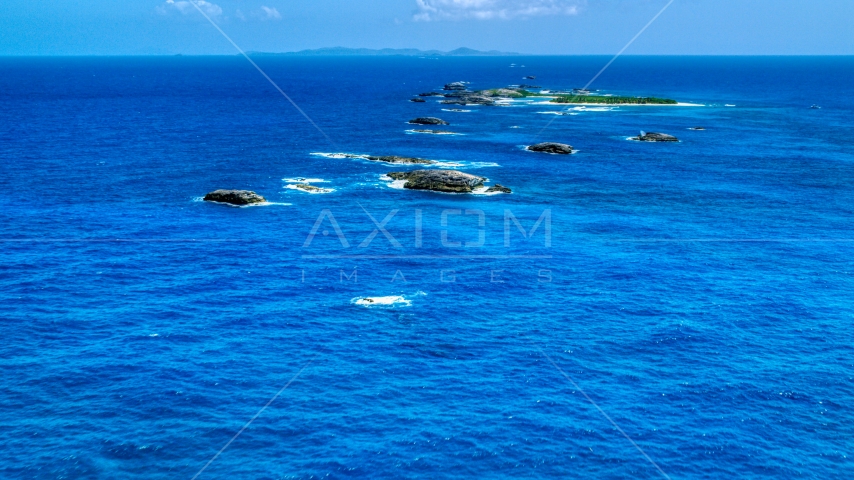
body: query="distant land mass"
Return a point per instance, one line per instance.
(409, 52)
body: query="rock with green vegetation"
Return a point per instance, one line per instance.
(600, 99)
(234, 197)
(428, 121)
(401, 160)
(551, 147)
(655, 137)
(447, 181)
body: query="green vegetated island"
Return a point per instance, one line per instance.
(579, 98)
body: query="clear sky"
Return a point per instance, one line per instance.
(740, 27)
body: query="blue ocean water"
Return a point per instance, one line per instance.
(699, 293)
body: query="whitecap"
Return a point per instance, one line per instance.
(483, 191)
(459, 110)
(585, 108)
(251, 205)
(483, 164)
(338, 155)
(304, 180)
(387, 301)
(433, 132)
(447, 164)
(396, 184)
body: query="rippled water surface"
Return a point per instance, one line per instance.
(700, 293)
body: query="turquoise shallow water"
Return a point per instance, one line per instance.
(700, 293)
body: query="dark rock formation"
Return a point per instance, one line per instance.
(500, 92)
(449, 181)
(455, 86)
(399, 160)
(311, 188)
(655, 137)
(430, 94)
(459, 94)
(529, 86)
(234, 197)
(498, 188)
(428, 121)
(551, 147)
(470, 100)
(418, 100)
(531, 77)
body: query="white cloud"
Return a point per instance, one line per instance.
(268, 13)
(492, 9)
(183, 6)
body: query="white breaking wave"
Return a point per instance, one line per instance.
(557, 113)
(262, 204)
(386, 301)
(304, 180)
(339, 155)
(431, 132)
(447, 164)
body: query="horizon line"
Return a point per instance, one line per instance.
(298, 54)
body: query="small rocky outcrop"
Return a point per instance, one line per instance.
(455, 86)
(530, 77)
(459, 94)
(309, 188)
(401, 160)
(430, 94)
(498, 188)
(470, 100)
(235, 197)
(418, 100)
(428, 121)
(655, 137)
(500, 92)
(448, 181)
(551, 147)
